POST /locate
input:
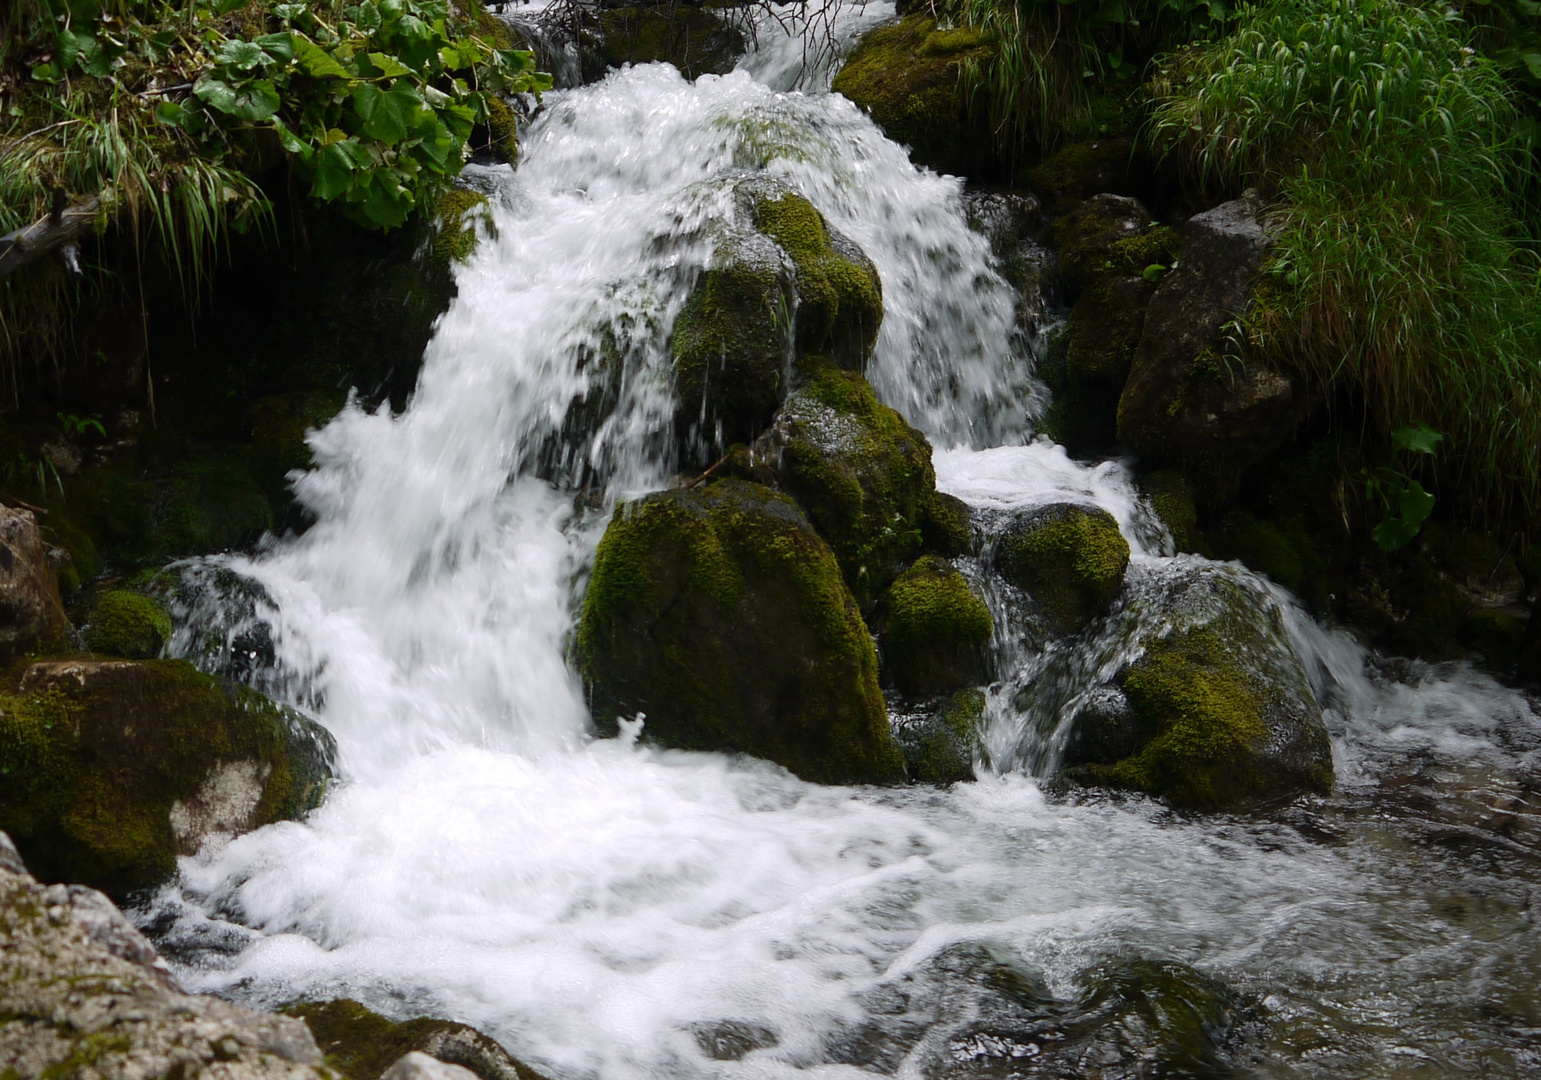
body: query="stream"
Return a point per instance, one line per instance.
(607, 909)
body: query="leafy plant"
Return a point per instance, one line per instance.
(1402, 281)
(1404, 503)
(74, 426)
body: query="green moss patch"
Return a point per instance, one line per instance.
(94, 755)
(908, 78)
(361, 1044)
(127, 624)
(1070, 559)
(935, 630)
(863, 475)
(721, 614)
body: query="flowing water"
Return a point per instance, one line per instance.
(608, 909)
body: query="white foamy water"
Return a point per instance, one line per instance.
(598, 905)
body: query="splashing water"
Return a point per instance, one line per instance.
(603, 907)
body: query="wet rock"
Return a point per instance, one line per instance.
(938, 737)
(977, 1010)
(1070, 558)
(732, 1040)
(280, 423)
(935, 631)
(696, 40)
(1083, 169)
(738, 346)
(83, 994)
(721, 614)
(1171, 496)
(948, 529)
(1109, 254)
(112, 768)
(863, 475)
(1192, 398)
(1216, 712)
(907, 78)
(363, 1044)
(1011, 221)
(126, 624)
(30, 608)
(417, 1065)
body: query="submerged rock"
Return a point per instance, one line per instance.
(1191, 398)
(935, 632)
(1216, 711)
(721, 614)
(938, 737)
(908, 78)
(112, 768)
(863, 475)
(364, 1045)
(84, 995)
(1070, 558)
(696, 40)
(785, 296)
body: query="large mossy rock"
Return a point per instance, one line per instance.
(1217, 711)
(112, 768)
(908, 78)
(785, 295)
(84, 996)
(721, 614)
(362, 1045)
(935, 631)
(863, 475)
(939, 737)
(1191, 398)
(1069, 558)
(694, 39)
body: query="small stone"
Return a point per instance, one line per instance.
(416, 1065)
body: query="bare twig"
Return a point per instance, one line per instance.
(63, 226)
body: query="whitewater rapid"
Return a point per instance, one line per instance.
(597, 904)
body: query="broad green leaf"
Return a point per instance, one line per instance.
(1533, 63)
(279, 46)
(290, 141)
(1153, 272)
(1414, 504)
(1393, 533)
(388, 65)
(334, 172)
(316, 61)
(388, 117)
(290, 11)
(169, 112)
(459, 119)
(242, 55)
(44, 73)
(254, 101)
(1420, 439)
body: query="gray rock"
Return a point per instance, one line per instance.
(30, 608)
(84, 995)
(1191, 398)
(416, 1065)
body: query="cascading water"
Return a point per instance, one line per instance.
(612, 910)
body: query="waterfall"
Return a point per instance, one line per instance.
(602, 906)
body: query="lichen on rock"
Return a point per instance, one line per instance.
(112, 768)
(1070, 558)
(721, 614)
(863, 475)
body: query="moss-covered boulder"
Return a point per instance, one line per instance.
(863, 475)
(1070, 558)
(720, 613)
(1080, 170)
(1109, 235)
(785, 296)
(938, 737)
(109, 769)
(127, 624)
(934, 630)
(279, 424)
(948, 528)
(909, 78)
(694, 39)
(361, 1044)
(1216, 712)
